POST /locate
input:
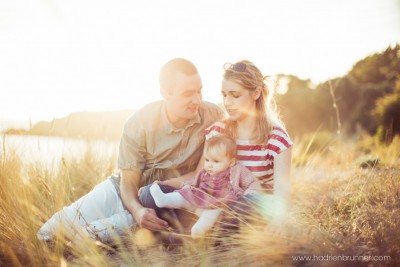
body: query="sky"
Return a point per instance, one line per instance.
(59, 57)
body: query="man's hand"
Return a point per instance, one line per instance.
(147, 218)
(144, 217)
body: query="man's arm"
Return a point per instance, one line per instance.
(178, 181)
(145, 217)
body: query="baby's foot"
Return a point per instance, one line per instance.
(157, 194)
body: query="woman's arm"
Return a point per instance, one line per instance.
(282, 165)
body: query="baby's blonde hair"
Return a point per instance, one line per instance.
(221, 144)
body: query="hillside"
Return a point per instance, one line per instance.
(87, 125)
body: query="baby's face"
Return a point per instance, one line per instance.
(217, 162)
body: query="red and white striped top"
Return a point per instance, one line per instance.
(259, 159)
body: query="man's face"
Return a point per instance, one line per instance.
(184, 100)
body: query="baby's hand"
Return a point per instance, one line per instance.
(186, 186)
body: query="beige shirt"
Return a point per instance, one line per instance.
(151, 144)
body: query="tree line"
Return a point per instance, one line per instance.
(366, 99)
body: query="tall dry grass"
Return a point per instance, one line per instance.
(345, 202)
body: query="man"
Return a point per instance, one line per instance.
(163, 140)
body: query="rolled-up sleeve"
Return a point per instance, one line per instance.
(132, 147)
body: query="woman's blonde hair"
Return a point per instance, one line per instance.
(250, 78)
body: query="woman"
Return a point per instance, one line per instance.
(263, 145)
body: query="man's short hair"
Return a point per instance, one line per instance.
(171, 68)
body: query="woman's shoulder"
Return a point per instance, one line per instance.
(279, 130)
(279, 138)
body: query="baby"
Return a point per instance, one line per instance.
(220, 181)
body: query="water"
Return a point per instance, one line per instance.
(6, 125)
(50, 150)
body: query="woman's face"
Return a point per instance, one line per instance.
(238, 102)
